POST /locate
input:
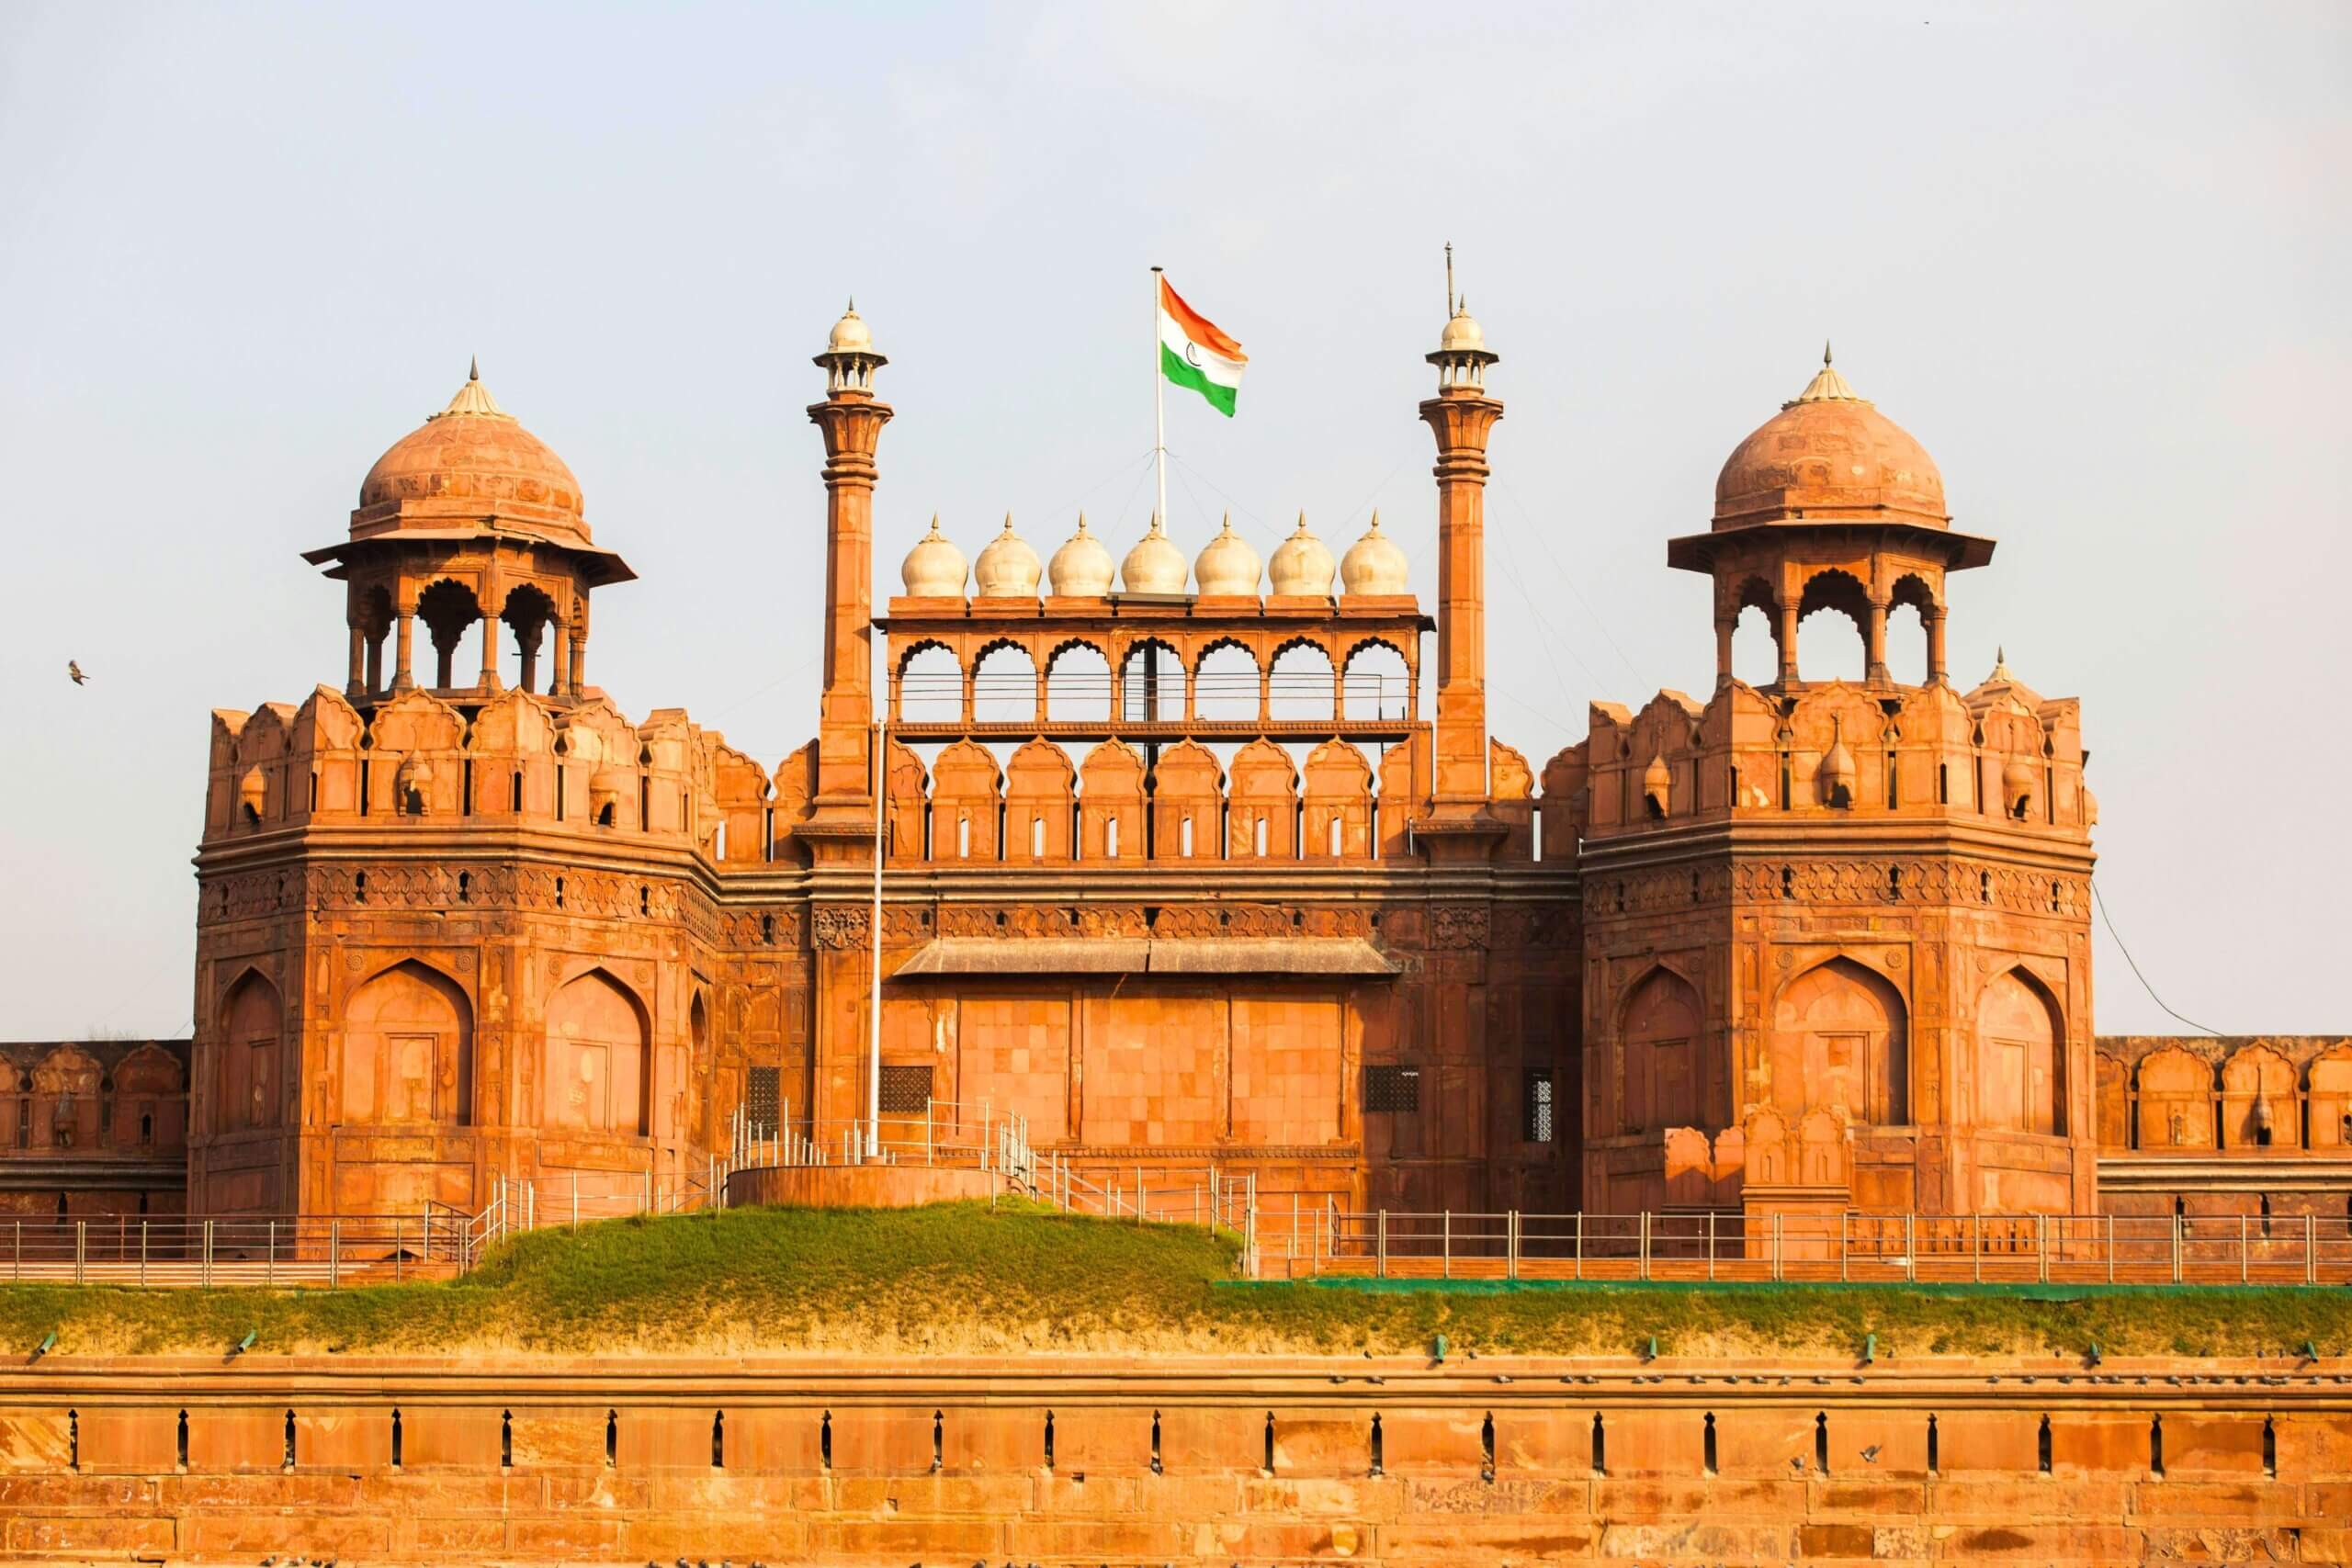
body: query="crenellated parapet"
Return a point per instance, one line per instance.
(1831, 753)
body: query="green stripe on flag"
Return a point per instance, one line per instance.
(1172, 365)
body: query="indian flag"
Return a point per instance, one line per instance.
(1195, 352)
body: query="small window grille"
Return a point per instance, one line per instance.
(1392, 1088)
(760, 1100)
(905, 1090)
(1537, 1107)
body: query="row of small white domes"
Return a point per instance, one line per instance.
(1009, 568)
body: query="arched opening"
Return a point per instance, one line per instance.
(930, 685)
(375, 626)
(598, 1057)
(1658, 1055)
(527, 616)
(1004, 686)
(407, 1051)
(1225, 683)
(245, 1078)
(1078, 684)
(1301, 683)
(1151, 684)
(2020, 1057)
(1832, 647)
(1908, 608)
(1840, 1037)
(449, 610)
(1755, 637)
(1375, 684)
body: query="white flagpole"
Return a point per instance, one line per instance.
(873, 998)
(1158, 404)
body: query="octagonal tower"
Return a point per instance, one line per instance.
(1836, 933)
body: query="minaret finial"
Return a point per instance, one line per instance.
(2000, 655)
(853, 304)
(473, 368)
(1448, 280)
(1824, 351)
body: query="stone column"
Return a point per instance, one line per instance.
(1874, 660)
(1788, 641)
(559, 645)
(355, 686)
(489, 650)
(403, 679)
(1935, 619)
(1724, 630)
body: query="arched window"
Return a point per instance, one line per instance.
(2021, 1057)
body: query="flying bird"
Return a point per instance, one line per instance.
(1870, 1455)
(74, 669)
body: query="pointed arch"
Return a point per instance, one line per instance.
(247, 1080)
(1187, 804)
(2020, 1056)
(1262, 820)
(1841, 1037)
(599, 1057)
(1655, 1072)
(407, 1055)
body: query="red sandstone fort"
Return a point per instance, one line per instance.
(1174, 871)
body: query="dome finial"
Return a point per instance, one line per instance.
(473, 367)
(1824, 352)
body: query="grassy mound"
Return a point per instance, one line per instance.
(961, 1279)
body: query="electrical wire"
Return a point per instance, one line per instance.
(2109, 920)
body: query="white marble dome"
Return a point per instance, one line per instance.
(1301, 566)
(1228, 565)
(1081, 568)
(1373, 564)
(1008, 568)
(934, 568)
(1154, 566)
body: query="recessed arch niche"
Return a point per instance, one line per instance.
(1659, 1054)
(2020, 1057)
(408, 1052)
(1841, 1036)
(598, 1057)
(246, 1085)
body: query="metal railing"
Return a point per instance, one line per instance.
(346, 1250)
(1879, 1248)
(928, 697)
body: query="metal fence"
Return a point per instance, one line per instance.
(1875, 1249)
(346, 1250)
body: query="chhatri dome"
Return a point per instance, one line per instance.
(1226, 564)
(1373, 564)
(1301, 566)
(1008, 568)
(468, 461)
(1154, 566)
(934, 568)
(1830, 455)
(851, 334)
(1081, 568)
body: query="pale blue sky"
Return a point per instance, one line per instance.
(2093, 257)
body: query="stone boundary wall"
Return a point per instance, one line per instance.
(1174, 1461)
(858, 1186)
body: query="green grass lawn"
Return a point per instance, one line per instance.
(965, 1279)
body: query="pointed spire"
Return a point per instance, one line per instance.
(1448, 279)
(473, 397)
(1826, 386)
(1081, 522)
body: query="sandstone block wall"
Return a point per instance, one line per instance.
(1069, 1461)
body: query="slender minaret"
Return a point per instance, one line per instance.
(851, 420)
(1461, 415)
